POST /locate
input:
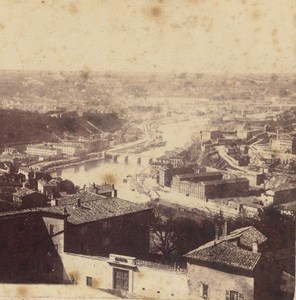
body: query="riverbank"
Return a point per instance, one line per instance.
(177, 135)
(53, 166)
(72, 164)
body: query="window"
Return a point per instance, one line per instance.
(204, 291)
(51, 229)
(89, 281)
(234, 295)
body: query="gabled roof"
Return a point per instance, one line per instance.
(92, 208)
(100, 188)
(227, 250)
(248, 235)
(227, 254)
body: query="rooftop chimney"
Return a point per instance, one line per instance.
(53, 202)
(78, 202)
(65, 211)
(225, 229)
(216, 233)
(255, 247)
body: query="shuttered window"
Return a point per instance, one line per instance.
(204, 291)
(234, 295)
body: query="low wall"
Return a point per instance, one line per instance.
(145, 278)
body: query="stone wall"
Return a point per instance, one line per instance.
(145, 279)
(218, 282)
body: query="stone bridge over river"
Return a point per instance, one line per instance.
(128, 158)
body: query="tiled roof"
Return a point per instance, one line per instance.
(92, 208)
(248, 235)
(24, 192)
(226, 250)
(227, 254)
(103, 188)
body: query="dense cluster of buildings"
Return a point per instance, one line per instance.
(103, 242)
(209, 185)
(52, 233)
(233, 172)
(93, 238)
(67, 148)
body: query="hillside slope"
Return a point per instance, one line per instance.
(24, 126)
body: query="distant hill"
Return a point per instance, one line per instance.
(18, 127)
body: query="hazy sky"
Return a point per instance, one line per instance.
(138, 35)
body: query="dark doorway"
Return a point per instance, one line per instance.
(120, 279)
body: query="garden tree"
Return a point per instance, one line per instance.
(46, 176)
(188, 235)
(218, 222)
(68, 186)
(193, 152)
(163, 237)
(175, 236)
(279, 229)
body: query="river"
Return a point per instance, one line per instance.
(177, 134)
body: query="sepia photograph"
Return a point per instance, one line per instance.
(147, 149)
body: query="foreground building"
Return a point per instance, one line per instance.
(27, 198)
(228, 268)
(32, 240)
